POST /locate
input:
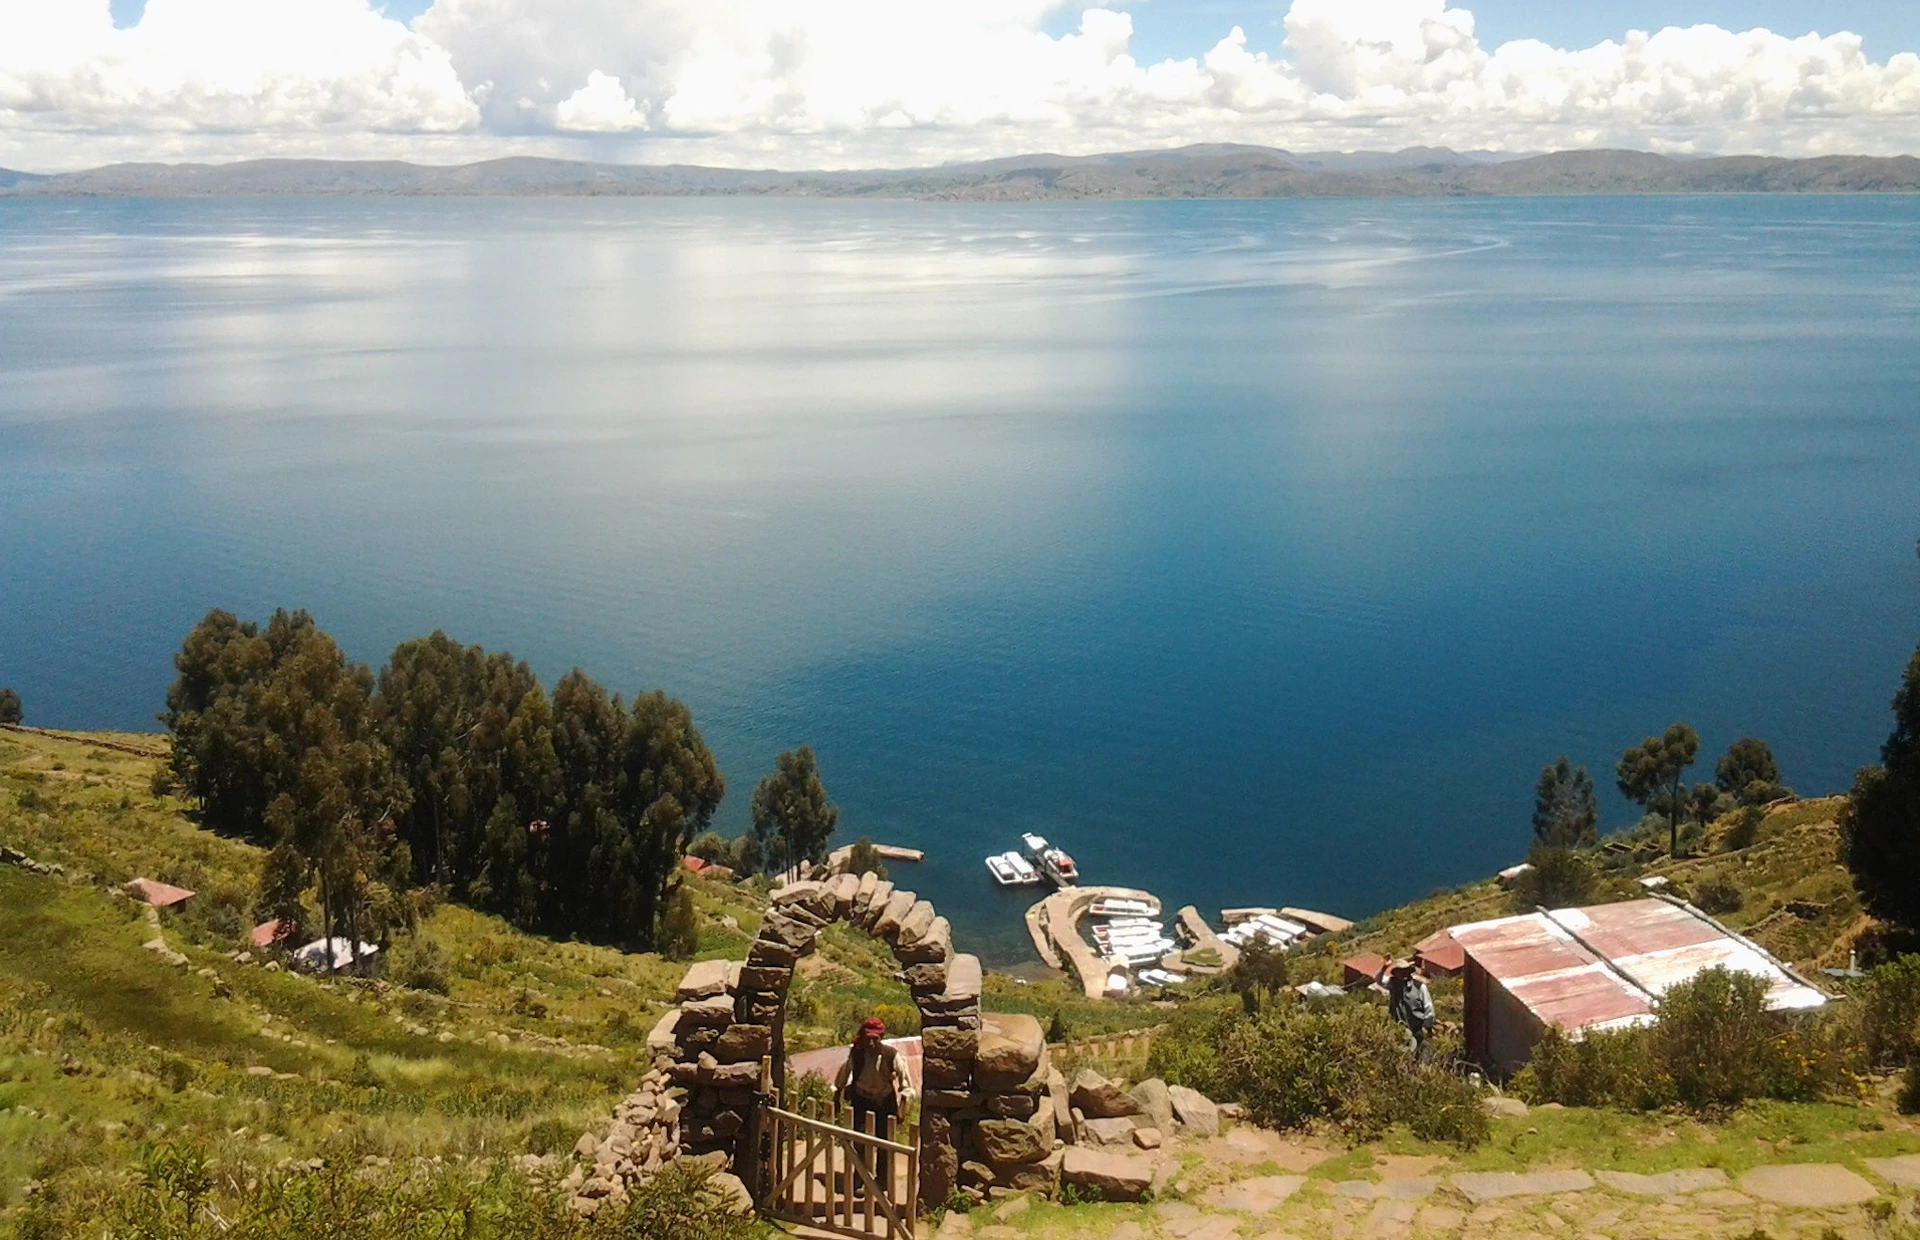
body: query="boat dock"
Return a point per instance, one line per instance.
(1054, 924)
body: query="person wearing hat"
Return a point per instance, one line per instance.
(874, 1081)
(1411, 1003)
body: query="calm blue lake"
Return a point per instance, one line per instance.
(1256, 552)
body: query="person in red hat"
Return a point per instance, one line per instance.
(874, 1081)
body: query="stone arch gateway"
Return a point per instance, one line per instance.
(986, 1116)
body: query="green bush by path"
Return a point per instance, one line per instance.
(1715, 1046)
(1347, 1063)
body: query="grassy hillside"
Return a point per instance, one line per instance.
(1794, 896)
(522, 1044)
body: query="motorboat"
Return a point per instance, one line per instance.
(1053, 862)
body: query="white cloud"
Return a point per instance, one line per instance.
(601, 106)
(848, 82)
(229, 66)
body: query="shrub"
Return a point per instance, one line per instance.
(1890, 1012)
(10, 707)
(1715, 1038)
(1715, 1045)
(865, 858)
(1717, 895)
(1745, 829)
(1187, 1051)
(550, 1136)
(1602, 1069)
(1560, 878)
(680, 928)
(420, 964)
(1909, 1100)
(1291, 1065)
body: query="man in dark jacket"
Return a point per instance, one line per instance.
(1411, 1003)
(874, 1081)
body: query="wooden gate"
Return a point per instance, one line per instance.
(820, 1172)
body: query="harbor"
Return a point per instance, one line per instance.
(1115, 941)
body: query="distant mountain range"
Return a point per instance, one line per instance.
(1213, 171)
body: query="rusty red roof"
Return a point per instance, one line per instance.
(160, 895)
(267, 933)
(1604, 966)
(1366, 964)
(1441, 952)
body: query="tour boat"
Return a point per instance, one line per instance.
(1117, 907)
(1010, 869)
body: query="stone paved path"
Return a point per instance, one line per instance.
(1480, 1186)
(1237, 1196)
(1903, 1171)
(1813, 1185)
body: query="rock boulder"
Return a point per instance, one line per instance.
(1099, 1098)
(1112, 1175)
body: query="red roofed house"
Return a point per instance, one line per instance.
(1597, 968)
(695, 864)
(1361, 970)
(1440, 955)
(159, 895)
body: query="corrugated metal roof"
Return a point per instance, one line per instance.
(1602, 967)
(1540, 964)
(1660, 945)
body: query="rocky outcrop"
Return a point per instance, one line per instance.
(1111, 1175)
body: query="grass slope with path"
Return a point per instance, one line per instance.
(106, 1047)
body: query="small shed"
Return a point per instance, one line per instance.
(1440, 955)
(1597, 968)
(1362, 970)
(158, 894)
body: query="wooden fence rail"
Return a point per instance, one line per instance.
(824, 1173)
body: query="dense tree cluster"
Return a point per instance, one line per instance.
(453, 767)
(1882, 831)
(1749, 774)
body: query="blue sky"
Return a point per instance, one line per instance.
(1186, 27)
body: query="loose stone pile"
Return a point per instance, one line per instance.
(643, 1137)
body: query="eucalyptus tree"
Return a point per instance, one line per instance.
(1650, 774)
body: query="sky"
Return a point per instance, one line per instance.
(846, 83)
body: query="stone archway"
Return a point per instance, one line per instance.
(986, 1079)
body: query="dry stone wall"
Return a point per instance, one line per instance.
(987, 1117)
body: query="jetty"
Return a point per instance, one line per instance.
(1201, 938)
(1054, 924)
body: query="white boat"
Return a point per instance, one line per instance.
(1054, 863)
(1010, 869)
(1118, 907)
